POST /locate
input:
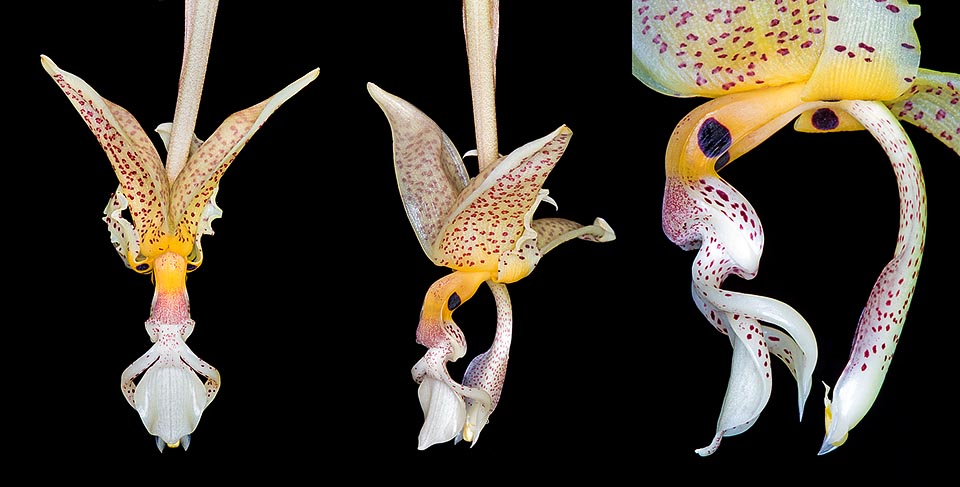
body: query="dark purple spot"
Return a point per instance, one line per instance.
(191, 267)
(713, 138)
(453, 301)
(143, 267)
(722, 162)
(825, 119)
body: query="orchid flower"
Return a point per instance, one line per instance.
(482, 228)
(832, 66)
(171, 207)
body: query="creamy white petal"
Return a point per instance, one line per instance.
(443, 413)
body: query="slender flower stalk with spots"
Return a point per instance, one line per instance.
(482, 228)
(836, 66)
(171, 206)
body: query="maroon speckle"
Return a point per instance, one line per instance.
(825, 119)
(713, 138)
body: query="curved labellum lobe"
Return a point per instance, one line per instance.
(841, 66)
(882, 320)
(170, 397)
(702, 211)
(444, 412)
(441, 397)
(488, 370)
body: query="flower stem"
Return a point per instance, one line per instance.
(481, 26)
(198, 33)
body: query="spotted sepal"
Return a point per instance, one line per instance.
(429, 170)
(933, 104)
(135, 161)
(489, 228)
(200, 176)
(697, 48)
(871, 51)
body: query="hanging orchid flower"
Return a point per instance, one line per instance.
(846, 65)
(171, 207)
(482, 228)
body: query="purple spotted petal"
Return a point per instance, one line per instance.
(554, 231)
(882, 320)
(933, 104)
(488, 370)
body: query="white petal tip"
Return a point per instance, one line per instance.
(827, 447)
(712, 447)
(551, 201)
(185, 442)
(608, 233)
(427, 440)
(160, 443)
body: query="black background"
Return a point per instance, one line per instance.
(308, 297)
